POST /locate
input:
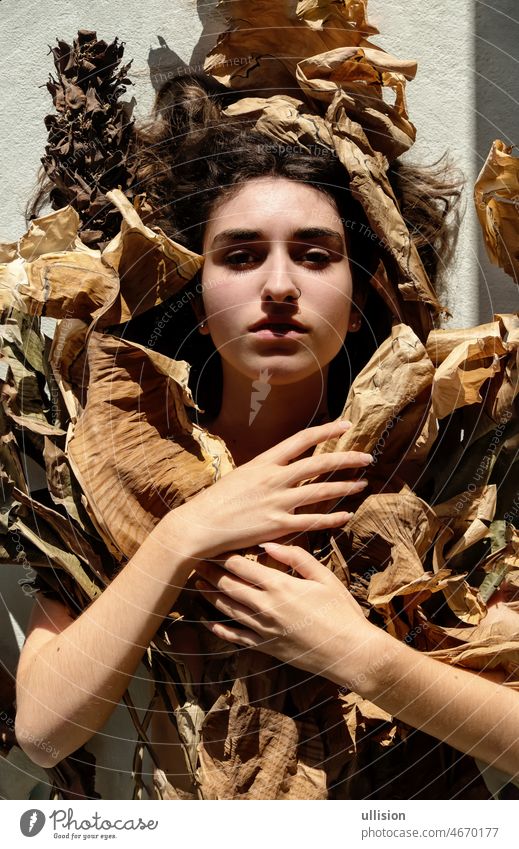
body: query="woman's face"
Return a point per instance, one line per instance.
(272, 238)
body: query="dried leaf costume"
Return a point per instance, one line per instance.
(110, 422)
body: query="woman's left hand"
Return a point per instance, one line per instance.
(314, 624)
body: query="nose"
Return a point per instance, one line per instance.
(280, 283)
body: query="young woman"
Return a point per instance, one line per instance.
(283, 298)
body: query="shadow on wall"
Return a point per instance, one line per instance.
(496, 34)
(164, 63)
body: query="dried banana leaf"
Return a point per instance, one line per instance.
(496, 195)
(108, 286)
(134, 450)
(264, 42)
(90, 132)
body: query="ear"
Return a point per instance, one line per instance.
(197, 305)
(355, 321)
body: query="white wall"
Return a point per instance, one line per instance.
(460, 100)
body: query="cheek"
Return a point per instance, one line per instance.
(332, 308)
(218, 294)
(224, 305)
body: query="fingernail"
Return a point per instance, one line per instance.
(271, 544)
(345, 424)
(368, 458)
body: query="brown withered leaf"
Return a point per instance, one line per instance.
(77, 282)
(466, 520)
(63, 488)
(461, 374)
(496, 195)
(441, 343)
(500, 404)
(134, 450)
(251, 752)
(491, 653)
(52, 233)
(264, 42)
(361, 75)
(468, 516)
(418, 589)
(369, 184)
(69, 283)
(90, 133)
(502, 566)
(393, 533)
(364, 718)
(63, 543)
(392, 386)
(150, 266)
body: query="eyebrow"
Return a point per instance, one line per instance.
(241, 235)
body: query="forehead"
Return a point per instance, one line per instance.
(276, 202)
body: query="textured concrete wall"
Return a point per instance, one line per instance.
(461, 99)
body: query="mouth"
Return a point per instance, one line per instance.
(278, 331)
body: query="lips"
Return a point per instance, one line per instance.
(278, 325)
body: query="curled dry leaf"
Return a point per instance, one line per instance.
(264, 42)
(252, 752)
(496, 195)
(108, 287)
(90, 133)
(459, 377)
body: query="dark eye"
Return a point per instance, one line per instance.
(239, 258)
(317, 257)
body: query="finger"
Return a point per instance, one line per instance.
(314, 493)
(228, 606)
(229, 580)
(242, 636)
(299, 442)
(250, 573)
(321, 464)
(302, 522)
(301, 561)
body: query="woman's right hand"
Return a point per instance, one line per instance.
(256, 502)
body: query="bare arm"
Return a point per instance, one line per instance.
(72, 673)
(315, 624)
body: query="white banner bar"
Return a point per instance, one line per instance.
(227, 825)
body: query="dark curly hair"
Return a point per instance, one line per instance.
(189, 156)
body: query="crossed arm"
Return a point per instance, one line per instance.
(73, 673)
(316, 624)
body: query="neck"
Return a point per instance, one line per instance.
(255, 415)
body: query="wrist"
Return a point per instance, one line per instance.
(177, 531)
(366, 666)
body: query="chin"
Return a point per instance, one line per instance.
(279, 371)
